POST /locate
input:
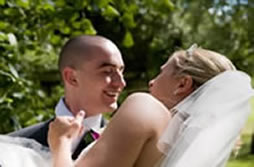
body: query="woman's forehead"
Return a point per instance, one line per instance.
(170, 60)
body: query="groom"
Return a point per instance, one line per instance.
(91, 68)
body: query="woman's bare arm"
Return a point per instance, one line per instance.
(126, 134)
(121, 143)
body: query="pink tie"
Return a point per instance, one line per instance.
(95, 135)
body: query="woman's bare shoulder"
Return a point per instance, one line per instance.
(143, 108)
(143, 100)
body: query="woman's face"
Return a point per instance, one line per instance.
(164, 85)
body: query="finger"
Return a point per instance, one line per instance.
(81, 132)
(67, 120)
(78, 121)
(70, 119)
(80, 117)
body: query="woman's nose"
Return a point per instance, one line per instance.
(150, 84)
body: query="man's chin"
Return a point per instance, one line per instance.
(103, 109)
(113, 107)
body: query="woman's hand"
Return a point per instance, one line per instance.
(64, 130)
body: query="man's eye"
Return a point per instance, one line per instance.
(108, 71)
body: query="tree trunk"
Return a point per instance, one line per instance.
(252, 144)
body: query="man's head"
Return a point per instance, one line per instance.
(92, 71)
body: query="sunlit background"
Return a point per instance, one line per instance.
(146, 31)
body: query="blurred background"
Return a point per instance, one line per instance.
(146, 31)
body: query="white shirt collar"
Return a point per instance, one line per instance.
(93, 122)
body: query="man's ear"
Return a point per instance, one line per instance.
(185, 85)
(69, 76)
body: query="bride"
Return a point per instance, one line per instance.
(198, 104)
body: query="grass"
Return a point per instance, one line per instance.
(244, 159)
(248, 161)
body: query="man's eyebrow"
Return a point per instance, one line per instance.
(110, 65)
(106, 65)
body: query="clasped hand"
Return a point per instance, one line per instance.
(65, 128)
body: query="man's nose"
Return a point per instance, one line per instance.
(118, 80)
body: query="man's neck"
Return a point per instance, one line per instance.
(70, 106)
(90, 122)
(75, 109)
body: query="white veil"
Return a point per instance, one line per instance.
(22, 152)
(203, 131)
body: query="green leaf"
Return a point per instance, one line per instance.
(41, 93)
(60, 3)
(76, 25)
(3, 25)
(10, 12)
(31, 121)
(2, 99)
(168, 4)
(77, 33)
(48, 6)
(88, 27)
(55, 39)
(13, 71)
(74, 17)
(8, 100)
(128, 20)
(12, 39)
(8, 75)
(110, 12)
(65, 30)
(2, 36)
(128, 40)
(23, 3)
(101, 3)
(2, 2)
(18, 95)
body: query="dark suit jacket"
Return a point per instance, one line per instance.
(39, 132)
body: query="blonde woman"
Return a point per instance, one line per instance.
(159, 128)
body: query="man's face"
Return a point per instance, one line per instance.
(100, 80)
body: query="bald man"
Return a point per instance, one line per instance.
(92, 72)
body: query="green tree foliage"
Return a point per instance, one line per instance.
(221, 25)
(146, 31)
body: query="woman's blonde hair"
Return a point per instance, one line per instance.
(200, 64)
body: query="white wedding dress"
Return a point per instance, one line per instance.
(21, 152)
